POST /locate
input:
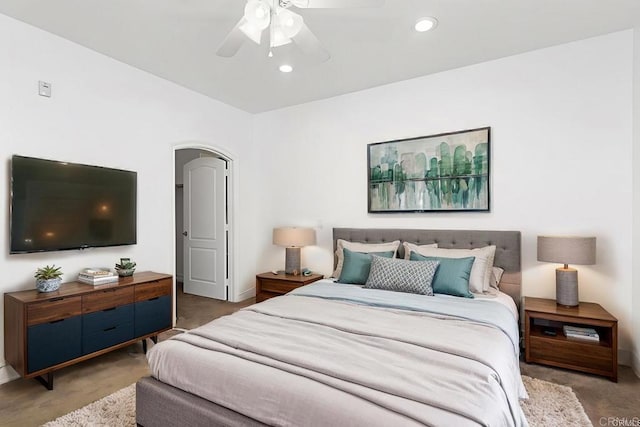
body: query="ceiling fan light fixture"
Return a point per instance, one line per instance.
(278, 37)
(258, 13)
(254, 33)
(286, 68)
(425, 24)
(290, 23)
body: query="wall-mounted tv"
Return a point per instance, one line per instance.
(59, 206)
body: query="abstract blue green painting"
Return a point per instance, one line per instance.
(436, 173)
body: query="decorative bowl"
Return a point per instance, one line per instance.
(125, 272)
(48, 285)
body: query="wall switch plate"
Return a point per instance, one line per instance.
(44, 89)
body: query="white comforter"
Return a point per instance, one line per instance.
(305, 360)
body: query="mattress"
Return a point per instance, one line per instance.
(340, 354)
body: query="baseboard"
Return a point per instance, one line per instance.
(624, 357)
(7, 373)
(635, 365)
(249, 293)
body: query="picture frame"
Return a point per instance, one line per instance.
(447, 172)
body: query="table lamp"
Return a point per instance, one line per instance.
(567, 250)
(293, 238)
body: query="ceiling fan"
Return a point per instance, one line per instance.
(284, 26)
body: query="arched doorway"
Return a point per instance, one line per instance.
(183, 154)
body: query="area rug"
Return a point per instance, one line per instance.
(549, 404)
(552, 404)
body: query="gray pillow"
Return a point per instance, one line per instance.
(401, 275)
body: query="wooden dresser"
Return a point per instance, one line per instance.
(44, 332)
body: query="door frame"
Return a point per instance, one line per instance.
(232, 202)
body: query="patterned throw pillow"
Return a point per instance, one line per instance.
(402, 275)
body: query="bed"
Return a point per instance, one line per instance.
(340, 354)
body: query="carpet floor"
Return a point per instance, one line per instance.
(549, 404)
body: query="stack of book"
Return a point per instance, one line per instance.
(579, 333)
(97, 276)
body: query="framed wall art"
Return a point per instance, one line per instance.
(448, 172)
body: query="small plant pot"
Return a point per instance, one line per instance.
(48, 285)
(125, 272)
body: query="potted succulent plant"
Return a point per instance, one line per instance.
(126, 267)
(48, 278)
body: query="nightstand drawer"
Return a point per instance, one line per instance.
(278, 286)
(593, 356)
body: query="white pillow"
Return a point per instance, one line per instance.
(496, 276)
(411, 247)
(481, 271)
(365, 248)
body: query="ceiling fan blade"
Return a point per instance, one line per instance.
(336, 4)
(232, 42)
(310, 45)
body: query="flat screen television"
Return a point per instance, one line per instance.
(58, 206)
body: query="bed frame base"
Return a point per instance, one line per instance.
(159, 404)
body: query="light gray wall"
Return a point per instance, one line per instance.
(106, 113)
(561, 150)
(636, 203)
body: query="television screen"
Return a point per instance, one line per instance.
(58, 206)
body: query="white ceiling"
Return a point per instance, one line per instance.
(177, 40)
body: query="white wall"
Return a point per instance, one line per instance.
(561, 159)
(103, 112)
(636, 202)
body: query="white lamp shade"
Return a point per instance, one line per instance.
(258, 13)
(294, 236)
(567, 249)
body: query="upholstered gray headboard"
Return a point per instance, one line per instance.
(507, 247)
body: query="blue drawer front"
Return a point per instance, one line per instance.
(53, 343)
(100, 320)
(107, 337)
(152, 315)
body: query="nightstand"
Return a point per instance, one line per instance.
(270, 285)
(544, 315)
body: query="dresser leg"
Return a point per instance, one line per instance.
(48, 383)
(144, 346)
(154, 338)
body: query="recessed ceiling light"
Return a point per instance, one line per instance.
(426, 24)
(285, 68)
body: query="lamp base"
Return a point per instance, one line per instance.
(292, 261)
(567, 287)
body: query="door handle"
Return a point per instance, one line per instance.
(184, 233)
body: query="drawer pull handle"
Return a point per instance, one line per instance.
(153, 299)
(57, 321)
(109, 329)
(109, 309)
(57, 299)
(109, 290)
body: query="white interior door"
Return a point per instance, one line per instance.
(205, 228)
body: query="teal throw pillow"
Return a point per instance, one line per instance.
(452, 276)
(355, 269)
